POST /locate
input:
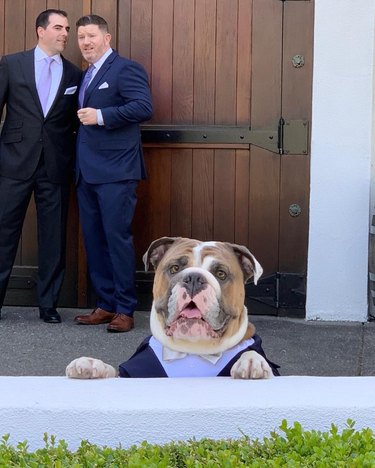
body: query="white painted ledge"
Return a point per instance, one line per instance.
(128, 411)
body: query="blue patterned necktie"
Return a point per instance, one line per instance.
(44, 84)
(84, 85)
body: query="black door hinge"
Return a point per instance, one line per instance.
(280, 290)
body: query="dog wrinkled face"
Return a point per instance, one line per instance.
(199, 294)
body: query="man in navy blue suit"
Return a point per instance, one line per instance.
(114, 99)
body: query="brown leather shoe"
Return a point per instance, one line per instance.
(121, 323)
(96, 317)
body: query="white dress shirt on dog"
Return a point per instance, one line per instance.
(193, 365)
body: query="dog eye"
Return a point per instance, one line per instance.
(174, 269)
(221, 275)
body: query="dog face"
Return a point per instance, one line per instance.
(199, 293)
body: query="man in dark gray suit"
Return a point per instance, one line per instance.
(40, 89)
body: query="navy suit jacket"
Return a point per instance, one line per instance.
(113, 152)
(26, 132)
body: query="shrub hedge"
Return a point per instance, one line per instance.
(292, 446)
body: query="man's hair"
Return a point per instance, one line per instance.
(43, 18)
(93, 19)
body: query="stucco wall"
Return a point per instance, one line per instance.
(343, 97)
(127, 411)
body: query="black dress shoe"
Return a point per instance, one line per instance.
(49, 315)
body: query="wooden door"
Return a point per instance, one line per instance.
(225, 66)
(214, 65)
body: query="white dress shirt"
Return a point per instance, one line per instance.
(56, 72)
(97, 66)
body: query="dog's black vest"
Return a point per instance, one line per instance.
(144, 363)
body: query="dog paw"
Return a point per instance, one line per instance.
(89, 368)
(251, 365)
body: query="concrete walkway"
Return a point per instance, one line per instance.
(28, 346)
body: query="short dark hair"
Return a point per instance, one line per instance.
(43, 17)
(93, 19)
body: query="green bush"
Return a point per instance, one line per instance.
(291, 447)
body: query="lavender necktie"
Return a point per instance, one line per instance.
(84, 85)
(44, 84)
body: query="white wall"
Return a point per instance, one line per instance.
(343, 97)
(127, 411)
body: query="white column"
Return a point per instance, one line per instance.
(341, 145)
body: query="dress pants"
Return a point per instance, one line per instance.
(51, 202)
(106, 213)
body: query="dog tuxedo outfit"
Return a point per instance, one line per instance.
(152, 360)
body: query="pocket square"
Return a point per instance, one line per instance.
(71, 90)
(104, 85)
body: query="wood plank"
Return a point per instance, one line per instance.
(141, 27)
(298, 40)
(243, 101)
(204, 62)
(266, 63)
(203, 194)
(224, 195)
(53, 4)
(183, 62)
(82, 273)
(264, 208)
(152, 218)
(295, 169)
(181, 192)
(33, 8)
(28, 249)
(161, 79)
(294, 189)
(14, 37)
(242, 194)
(244, 62)
(226, 62)
(124, 27)
(265, 110)
(70, 294)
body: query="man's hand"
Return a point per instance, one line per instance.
(87, 116)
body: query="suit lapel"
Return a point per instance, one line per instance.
(28, 70)
(62, 86)
(99, 75)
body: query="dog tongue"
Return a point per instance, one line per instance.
(191, 313)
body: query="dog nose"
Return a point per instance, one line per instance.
(194, 283)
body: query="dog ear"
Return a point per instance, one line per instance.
(249, 264)
(156, 251)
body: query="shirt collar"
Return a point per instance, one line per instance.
(41, 55)
(102, 59)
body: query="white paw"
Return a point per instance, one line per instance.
(251, 365)
(89, 368)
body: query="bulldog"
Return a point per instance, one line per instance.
(199, 321)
